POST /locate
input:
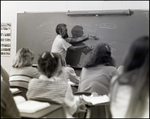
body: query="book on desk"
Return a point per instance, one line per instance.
(29, 106)
(94, 100)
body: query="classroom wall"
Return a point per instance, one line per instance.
(9, 10)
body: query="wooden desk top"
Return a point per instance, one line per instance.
(43, 112)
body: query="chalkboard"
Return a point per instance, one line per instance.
(37, 32)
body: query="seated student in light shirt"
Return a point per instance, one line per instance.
(66, 71)
(22, 71)
(130, 91)
(51, 87)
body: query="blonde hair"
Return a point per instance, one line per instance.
(23, 58)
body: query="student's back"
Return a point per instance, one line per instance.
(50, 86)
(130, 91)
(97, 79)
(98, 68)
(22, 71)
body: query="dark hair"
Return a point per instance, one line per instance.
(137, 53)
(48, 63)
(24, 57)
(60, 30)
(136, 75)
(77, 31)
(101, 54)
(140, 91)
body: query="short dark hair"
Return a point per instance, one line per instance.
(77, 31)
(59, 27)
(23, 58)
(101, 54)
(48, 63)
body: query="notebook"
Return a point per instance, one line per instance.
(29, 106)
(96, 99)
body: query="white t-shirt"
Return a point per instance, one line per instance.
(60, 45)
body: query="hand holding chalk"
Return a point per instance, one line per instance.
(93, 36)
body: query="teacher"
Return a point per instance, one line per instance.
(61, 45)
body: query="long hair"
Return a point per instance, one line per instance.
(137, 53)
(23, 58)
(140, 92)
(136, 75)
(100, 55)
(48, 63)
(61, 30)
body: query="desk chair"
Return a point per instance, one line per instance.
(93, 110)
(21, 85)
(55, 114)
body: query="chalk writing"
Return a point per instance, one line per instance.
(147, 14)
(108, 26)
(80, 24)
(44, 24)
(90, 30)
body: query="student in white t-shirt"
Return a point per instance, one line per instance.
(60, 45)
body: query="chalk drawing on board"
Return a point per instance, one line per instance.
(51, 35)
(147, 14)
(108, 26)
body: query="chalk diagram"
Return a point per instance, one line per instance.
(50, 34)
(147, 15)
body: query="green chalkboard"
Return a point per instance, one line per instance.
(37, 32)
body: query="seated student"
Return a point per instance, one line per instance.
(130, 91)
(67, 72)
(98, 71)
(8, 106)
(22, 71)
(5, 75)
(50, 86)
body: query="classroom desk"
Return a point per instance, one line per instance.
(54, 111)
(98, 111)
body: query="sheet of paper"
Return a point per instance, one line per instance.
(14, 90)
(19, 99)
(96, 100)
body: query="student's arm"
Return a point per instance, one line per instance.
(78, 39)
(74, 48)
(70, 101)
(72, 75)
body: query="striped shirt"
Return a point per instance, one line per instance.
(22, 76)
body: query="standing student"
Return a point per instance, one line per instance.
(49, 87)
(130, 91)
(98, 71)
(22, 71)
(60, 45)
(73, 57)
